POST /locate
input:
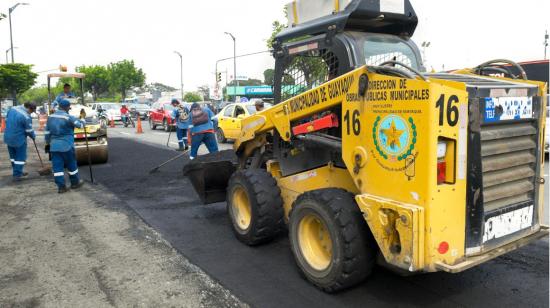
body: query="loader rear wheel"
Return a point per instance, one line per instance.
(255, 206)
(330, 239)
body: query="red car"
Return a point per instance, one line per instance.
(161, 114)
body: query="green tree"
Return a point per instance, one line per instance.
(192, 97)
(36, 94)
(15, 78)
(205, 92)
(269, 74)
(97, 80)
(124, 75)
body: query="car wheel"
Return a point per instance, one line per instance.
(330, 240)
(166, 126)
(152, 126)
(220, 136)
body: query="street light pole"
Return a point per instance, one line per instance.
(8, 50)
(181, 73)
(11, 33)
(236, 84)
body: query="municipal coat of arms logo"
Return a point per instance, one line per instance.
(394, 137)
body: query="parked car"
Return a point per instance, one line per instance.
(112, 110)
(161, 115)
(229, 119)
(140, 109)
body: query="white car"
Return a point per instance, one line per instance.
(112, 110)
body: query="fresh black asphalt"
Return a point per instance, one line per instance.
(266, 276)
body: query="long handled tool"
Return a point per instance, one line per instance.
(44, 170)
(89, 155)
(169, 134)
(168, 161)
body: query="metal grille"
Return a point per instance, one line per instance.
(508, 163)
(395, 56)
(308, 70)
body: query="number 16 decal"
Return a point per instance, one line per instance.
(452, 110)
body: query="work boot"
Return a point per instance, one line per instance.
(62, 190)
(77, 185)
(21, 177)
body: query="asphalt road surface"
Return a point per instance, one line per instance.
(266, 276)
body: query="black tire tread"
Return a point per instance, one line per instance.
(359, 248)
(268, 202)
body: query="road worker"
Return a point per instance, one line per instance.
(181, 116)
(259, 105)
(201, 126)
(18, 128)
(59, 137)
(67, 93)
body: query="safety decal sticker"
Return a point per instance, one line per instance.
(508, 108)
(394, 137)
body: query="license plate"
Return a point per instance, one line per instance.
(508, 223)
(508, 108)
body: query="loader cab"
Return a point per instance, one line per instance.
(313, 52)
(305, 64)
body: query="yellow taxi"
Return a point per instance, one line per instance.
(229, 119)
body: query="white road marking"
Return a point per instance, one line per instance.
(124, 133)
(171, 142)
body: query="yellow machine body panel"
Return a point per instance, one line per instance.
(398, 137)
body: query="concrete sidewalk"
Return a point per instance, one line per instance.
(86, 248)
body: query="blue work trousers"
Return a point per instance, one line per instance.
(209, 140)
(62, 160)
(182, 136)
(18, 156)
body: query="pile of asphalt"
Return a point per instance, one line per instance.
(266, 276)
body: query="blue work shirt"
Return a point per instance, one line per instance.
(18, 127)
(209, 125)
(176, 115)
(61, 96)
(59, 132)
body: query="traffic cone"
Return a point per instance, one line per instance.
(139, 129)
(112, 124)
(3, 126)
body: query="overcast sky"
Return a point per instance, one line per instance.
(75, 32)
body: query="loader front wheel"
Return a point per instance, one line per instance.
(330, 239)
(254, 205)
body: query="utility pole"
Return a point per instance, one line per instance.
(11, 33)
(181, 73)
(545, 43)
(236, 84)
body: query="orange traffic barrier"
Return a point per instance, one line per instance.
(42, 121)
(3, 126)
(112, 124)
(139, 129)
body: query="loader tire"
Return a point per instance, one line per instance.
(255, 206)
(330, 239)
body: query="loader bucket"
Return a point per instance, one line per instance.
(210, 173)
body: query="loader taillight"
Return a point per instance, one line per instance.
(441, 174)
(446, 161)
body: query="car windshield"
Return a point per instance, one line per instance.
(91, 120)
(168, 107)
(379, 48)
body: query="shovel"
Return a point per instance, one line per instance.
(44, 170)
(170, 160)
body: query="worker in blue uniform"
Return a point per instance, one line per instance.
(181, 116)
(18, 128)
(67, 93)
(59, 137)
